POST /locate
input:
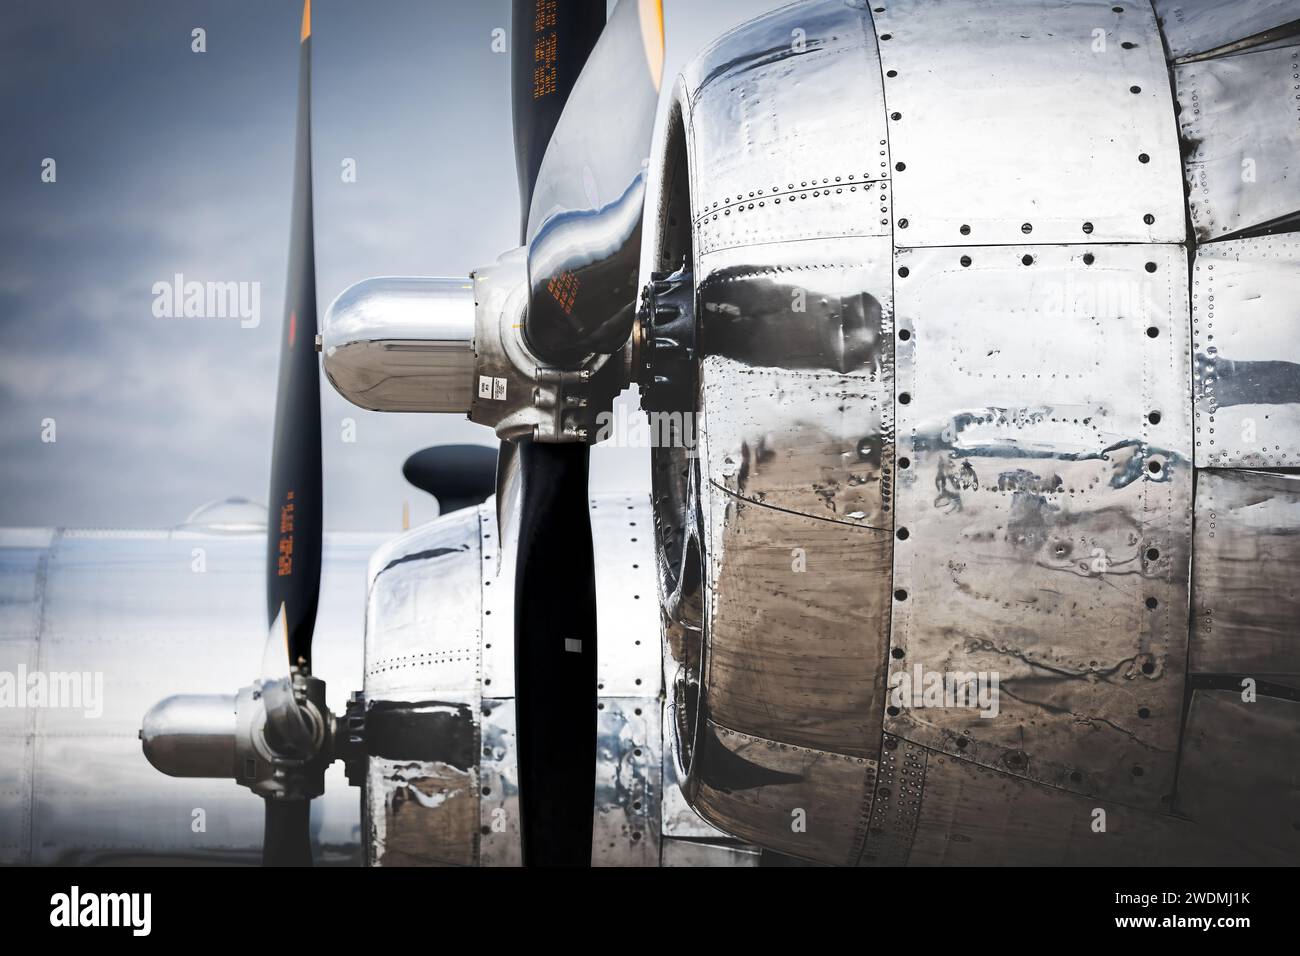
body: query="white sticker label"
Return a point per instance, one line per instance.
(499, 389)
(573, 645)
(485, 386)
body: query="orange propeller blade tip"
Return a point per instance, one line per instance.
(306, 20)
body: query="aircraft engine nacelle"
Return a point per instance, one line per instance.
(440, 778)
(987, 343)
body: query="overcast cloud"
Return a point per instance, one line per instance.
(170, 161)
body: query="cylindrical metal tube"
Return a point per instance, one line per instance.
(395, 344)
(191, 735)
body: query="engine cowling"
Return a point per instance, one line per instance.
(949, 325)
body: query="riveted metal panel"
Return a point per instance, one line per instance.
(1246, 341)
(895, 803)
(1018, 122)
(797, 800)
(423, 613)
(1240, 123)
(976, 816)
(797, 626)
(498, 772)
(1043, 521)
(776, 155)
(1239, 772)
(798, 378)
(1193, 27)
(625, 825)
(1245, 591)
(498, 561)
(627, 615)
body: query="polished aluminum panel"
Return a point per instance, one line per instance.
(777, 156)
(797, 625)
(1245, 592)
(970, 815)
(1239, 124)
(798, 378)
(498, 558)
(498, 772)
(1246, 344)
(154, 613)
(1194, 27)
(423, 613)
(627, 617)
(442, 586)
(797, 800)
(1238, 775)
(1017, 122)
(1043, 522)
(625, 828)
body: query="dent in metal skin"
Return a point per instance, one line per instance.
(1194, 27)
(498, 770)
(1043, 523)
(1016, 122)
(1245, 597)
(798, 614)
(1246, 340)
(798, 377)
(1238, 120)
(626, 821)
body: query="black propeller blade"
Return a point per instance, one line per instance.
(293, 551)
(552, 41)
(555, 590)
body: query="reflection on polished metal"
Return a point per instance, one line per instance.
(519, 394)
(1028, 122)
(191, 735)
(439, 661)
(402, 344)
(134, 607)
(1238, 122)
(1211, 27)
(1244, 609)
(946, 423)
(584, 221)
(1246, 342)
(1037, 486)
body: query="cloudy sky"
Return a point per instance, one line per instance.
(170, 161)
